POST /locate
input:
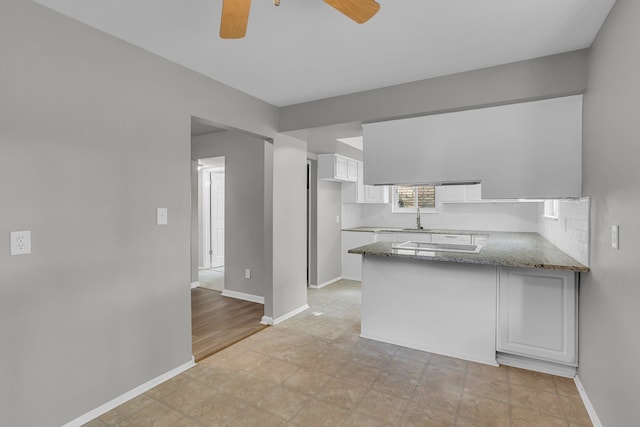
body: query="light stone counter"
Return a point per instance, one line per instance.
(509, 249)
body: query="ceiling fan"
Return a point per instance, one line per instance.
(235, 14)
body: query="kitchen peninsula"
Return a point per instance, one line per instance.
(514, 302)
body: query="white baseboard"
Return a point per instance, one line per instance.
(587, 403)
(103, 409)
(322, 285)
(536, 365)
(266, 320)
(242, 296)
(195, 284)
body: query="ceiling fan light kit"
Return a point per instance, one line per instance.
(235, 14)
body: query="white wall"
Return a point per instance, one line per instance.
(610, 293)
(570, 232)
(456, 216)
(94, 136)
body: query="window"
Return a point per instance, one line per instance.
(406, 197)
(551, 209)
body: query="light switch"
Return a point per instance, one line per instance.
(162, 216)
(20, 242)
(337, 219)
(247, 273)
(615, 235)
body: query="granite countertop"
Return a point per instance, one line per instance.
(509, 249)
(414, 230)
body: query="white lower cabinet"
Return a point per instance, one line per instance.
(352, 263)
(537, 314)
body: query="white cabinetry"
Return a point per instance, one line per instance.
(361, 193)
(458, 193)
(334, 167)
(385, 237)
(537, 314)
(526, 150)
(370, 193)
(352, 263)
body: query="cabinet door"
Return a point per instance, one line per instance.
(473, 193)
(450, 193)
(537, 314)
(360, 184)
(342, 167)
(352, 263)
(376, 194)
(352, 169)
(385, 237)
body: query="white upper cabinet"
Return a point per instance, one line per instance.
(361, 193)
(458, 193)
(334, 167)
(527, 150)
(370, 193)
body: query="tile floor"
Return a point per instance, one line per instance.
(315, 370)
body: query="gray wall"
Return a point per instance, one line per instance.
(244, 209)
(329, 241)
(289, 225)
(325, 262)
(313, 222)
(610, 294)
(548, 77)
(94, 136)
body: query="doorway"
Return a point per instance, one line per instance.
(211, 222)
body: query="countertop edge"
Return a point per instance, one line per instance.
(578, 269)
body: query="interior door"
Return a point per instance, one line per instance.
(217, 219)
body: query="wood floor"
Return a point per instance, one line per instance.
(218, 322)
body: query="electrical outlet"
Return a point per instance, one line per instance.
(247, 273)
(162, 216)
(20, 242)
(615, 236)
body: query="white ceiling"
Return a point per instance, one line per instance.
(305, 50)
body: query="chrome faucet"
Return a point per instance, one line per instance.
(418, 225)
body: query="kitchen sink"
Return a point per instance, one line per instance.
(438, 247)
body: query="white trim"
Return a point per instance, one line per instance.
(103, 409)
(537, 365)
(243, 296)
(266, 320)
(322, 285)
(587, 403)
(195, 284)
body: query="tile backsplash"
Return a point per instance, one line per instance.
(570, 232)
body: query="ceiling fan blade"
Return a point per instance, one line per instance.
(358, 10)
(235, 16)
